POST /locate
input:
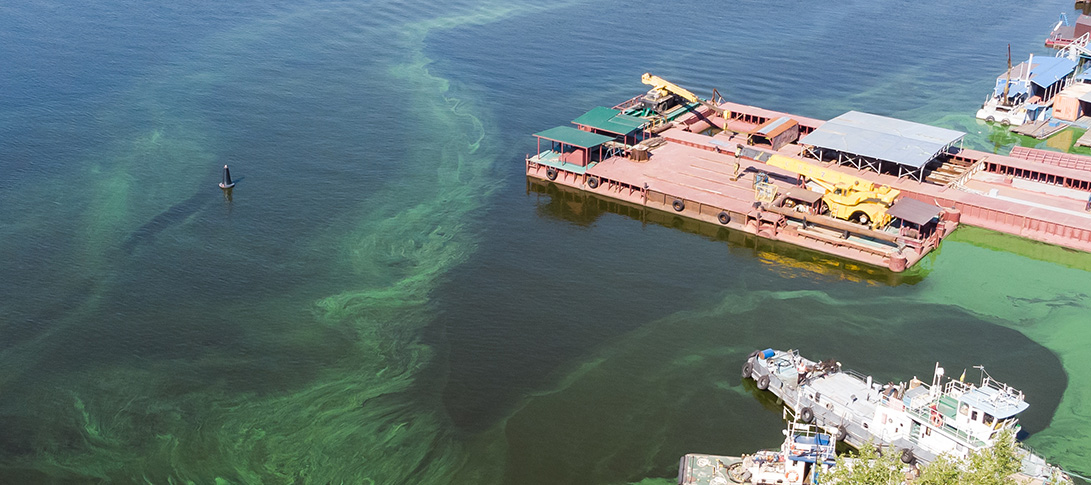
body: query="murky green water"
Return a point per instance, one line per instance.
(385, 300)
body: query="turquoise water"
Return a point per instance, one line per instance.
(384, 299)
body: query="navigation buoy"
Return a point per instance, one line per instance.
(226, 183)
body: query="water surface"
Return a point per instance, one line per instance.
(384, 299)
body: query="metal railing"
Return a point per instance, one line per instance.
(959, 183)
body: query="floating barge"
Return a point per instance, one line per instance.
(709, 165)
(805, 457)
(1064, 34)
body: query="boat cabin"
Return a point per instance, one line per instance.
(914, 219)
(958, 417)
(984, 411)
(571, 149)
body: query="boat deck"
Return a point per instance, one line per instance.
(845, 391)
(703, 171)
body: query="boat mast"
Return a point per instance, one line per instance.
(1007, 84)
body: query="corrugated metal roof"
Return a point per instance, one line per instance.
(610, 120)
(571, 136)
(1044, 72)
(775, 127)
(888, 139)
(913, 210)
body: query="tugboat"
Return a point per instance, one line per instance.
(805, 457)
(918, 420)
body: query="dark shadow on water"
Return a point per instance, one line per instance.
(583, 209)
(174, 215)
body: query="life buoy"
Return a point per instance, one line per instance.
(763, 383)
(937, 419)
(551, 173)
(724, 217)
(806, 415)
(593, 182)
(791, 476)
(678, 205)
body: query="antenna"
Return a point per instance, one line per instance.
(984, 373)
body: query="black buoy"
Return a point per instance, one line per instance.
(226, 183)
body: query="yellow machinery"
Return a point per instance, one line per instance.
(848, 197)
(662, 88)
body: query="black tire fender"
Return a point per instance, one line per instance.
(724, 218)
(806, 415)
(747, 370)
(678, 205)
(593, 182)
(763, 383)
(551, 173)
(842, 433)
(907, 456)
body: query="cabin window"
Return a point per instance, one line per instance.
(973, 415)
(989, 419)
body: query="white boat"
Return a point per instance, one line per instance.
(1024, 93)
(918, 420)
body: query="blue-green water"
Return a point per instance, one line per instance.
(384, 299)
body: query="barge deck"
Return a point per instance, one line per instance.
(705, 166)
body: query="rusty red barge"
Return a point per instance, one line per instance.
(866, 188)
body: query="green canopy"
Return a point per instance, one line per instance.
(574, 137)
(610, 120)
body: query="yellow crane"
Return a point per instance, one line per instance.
(848, 197)
(661, 87)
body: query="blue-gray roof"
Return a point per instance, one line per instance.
(881, 138)
(999, 404)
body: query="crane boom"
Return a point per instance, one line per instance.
(666, 87)
(822, 175)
